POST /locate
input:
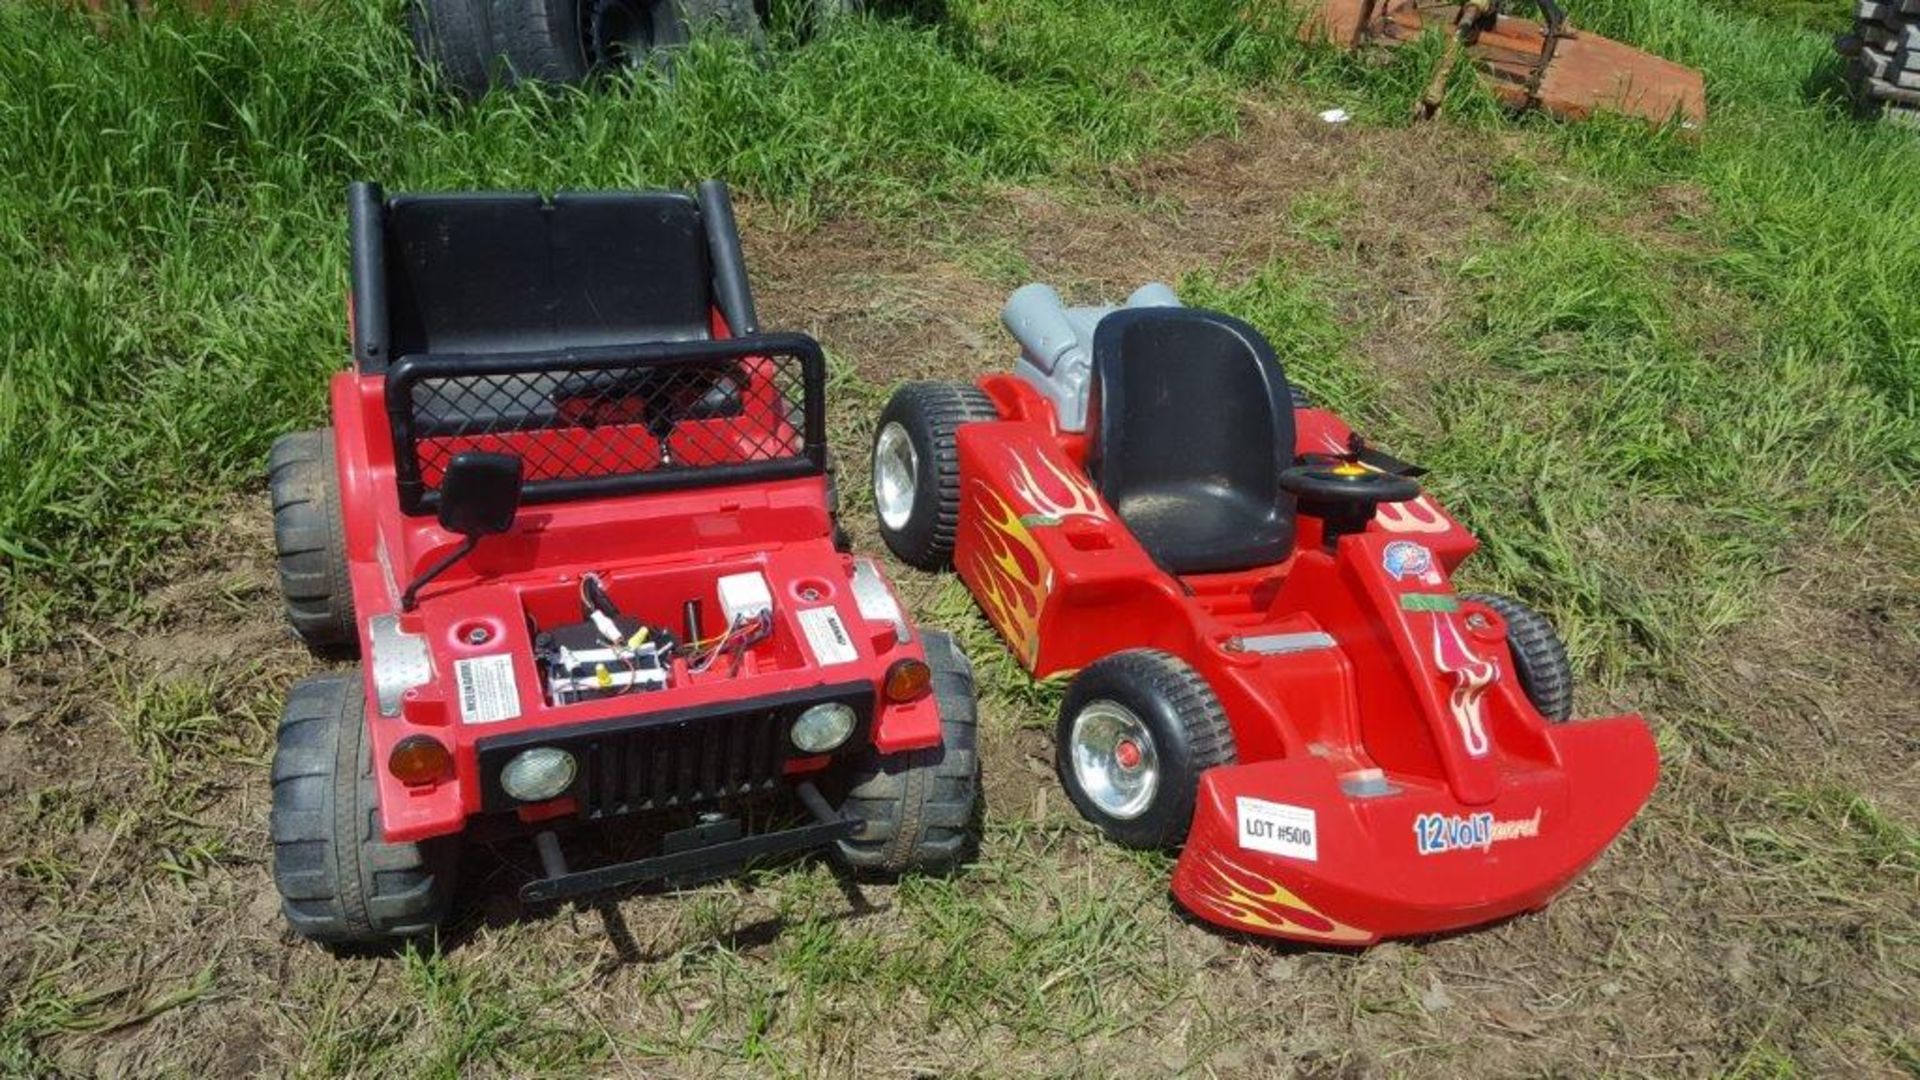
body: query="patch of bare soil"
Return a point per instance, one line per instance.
(1742, 920)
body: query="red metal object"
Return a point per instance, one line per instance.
(651, 550)
(1567, 71)
(1476, 808)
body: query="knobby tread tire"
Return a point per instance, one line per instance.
(1538, 654)
(919, 809)
(309, 540)
(341, 884)
(931, 413)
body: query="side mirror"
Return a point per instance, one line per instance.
(480, 493)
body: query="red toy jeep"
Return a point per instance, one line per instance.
(1273, 667)
(575, 517)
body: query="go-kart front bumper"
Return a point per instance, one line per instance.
(1289, 849)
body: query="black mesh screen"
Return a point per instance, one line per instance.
(603, 422)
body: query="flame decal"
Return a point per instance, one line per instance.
(1421, 515)
(1262, 904)
(1011, 575)
(1472, 675)
(1080, 501)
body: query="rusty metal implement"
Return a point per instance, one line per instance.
(1526, 63)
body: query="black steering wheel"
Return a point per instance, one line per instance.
(1343, 494)
(1347, 482)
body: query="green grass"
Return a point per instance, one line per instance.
(1679, 377)
(174, 261)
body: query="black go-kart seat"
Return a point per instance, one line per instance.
(1193, 425)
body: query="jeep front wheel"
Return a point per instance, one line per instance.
(340, 883)
(917, 810)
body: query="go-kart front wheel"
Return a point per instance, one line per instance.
(1136, 731)
(1538, 656)
(916, 468)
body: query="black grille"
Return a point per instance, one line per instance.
(667, 765)
(607, 421)
(676, 757)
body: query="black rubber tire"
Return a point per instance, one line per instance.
(544, 41)
(309, 542)
(1539, 658)
(931, 412)
(808, 17)
(1184, 719)
(340, 883)
(919, 810)
(454, 40)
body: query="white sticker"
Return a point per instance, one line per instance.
(488, 693)
(827, 637)
(1278, 829)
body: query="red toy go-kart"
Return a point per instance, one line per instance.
(1273, 668)
(575, 517)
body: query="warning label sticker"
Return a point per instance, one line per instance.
(827, 637)
(488, 693)
(1278, 829)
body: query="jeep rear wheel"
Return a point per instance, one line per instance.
(918, 809)
(340, 883)
(310, 542)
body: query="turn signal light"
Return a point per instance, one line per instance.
(420, 759)
(908, 680)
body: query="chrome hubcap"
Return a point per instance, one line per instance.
(896, 472)
(1114, 760)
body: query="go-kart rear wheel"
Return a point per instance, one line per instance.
(309, 541)
(1136, 731)
(1538, 657)
(916, 468)
(340, 883)
(917, 809)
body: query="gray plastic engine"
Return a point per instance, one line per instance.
(1056, 342)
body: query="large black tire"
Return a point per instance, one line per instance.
(340, 883)
(1538, 657)
(918, 810)
(309, 541)
(1184, 724)
(1883, 67)
(454, 40)
(807, 17)
(569, 41)
(926, 414)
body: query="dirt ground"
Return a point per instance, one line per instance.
(1732, 928)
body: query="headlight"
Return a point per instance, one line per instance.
(539, 774)
(823, 727)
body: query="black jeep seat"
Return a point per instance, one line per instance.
(465, 273)
(1193, 424)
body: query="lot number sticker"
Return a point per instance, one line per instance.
(1278, 829)
(827, 637)
(488, 693)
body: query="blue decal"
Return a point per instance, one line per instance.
(1434, 834)
(1404, 559)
